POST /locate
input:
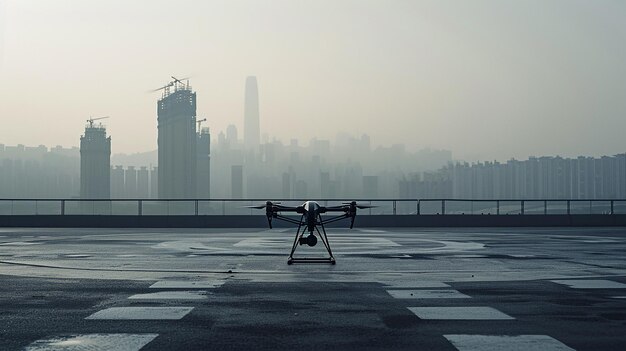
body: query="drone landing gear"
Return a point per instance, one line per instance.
(292, 260)
(297, 241)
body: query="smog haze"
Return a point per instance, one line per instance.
(484, 79)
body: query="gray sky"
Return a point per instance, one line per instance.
(485, 79)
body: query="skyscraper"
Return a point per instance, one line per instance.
(204, 164)
(95, 163)
(251, 128)
(177, 142)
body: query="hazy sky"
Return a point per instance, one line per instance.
(485, 79)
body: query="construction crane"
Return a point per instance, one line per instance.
(163, 87)
(200, 122)
(174, 84)
(176, 80)
(90, 120)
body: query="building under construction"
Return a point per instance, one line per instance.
(183, 153)
(204, 164)
(95, 162)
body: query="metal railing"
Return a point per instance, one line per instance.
(200, 207)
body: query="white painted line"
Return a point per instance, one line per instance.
(504, 342)
(19, 243)
(414, 284)
(427, 294)
(110, 342)
(171, 295)
(75, 256)
(591, 284)
(619, 297)
(459, 313)
(187, 284)
(142, 313)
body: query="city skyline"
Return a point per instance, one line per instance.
(349, 167)
(473, 78)
(185, 163)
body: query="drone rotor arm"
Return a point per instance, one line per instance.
(334, 219)
(341, 208)
(281, 208)
(286, 219)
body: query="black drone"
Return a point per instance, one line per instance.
(311, 218)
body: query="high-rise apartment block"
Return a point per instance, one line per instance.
(95, 163)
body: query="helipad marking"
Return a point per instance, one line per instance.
(591, 284)
(414, 284)
(505, 342)
(353, 242)
(427, 294)
(171, 295)
(110, 342)
(141, 313)
(460, 313)
(187, 284)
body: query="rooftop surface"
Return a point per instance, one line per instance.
(417, 289)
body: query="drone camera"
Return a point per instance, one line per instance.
(310, 240)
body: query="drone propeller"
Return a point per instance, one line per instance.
(360, 207)
(258, 207)
(351, 212)
(269, 210)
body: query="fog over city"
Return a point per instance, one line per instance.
(484, 79)
(295, 99)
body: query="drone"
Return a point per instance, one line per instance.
(310, 219)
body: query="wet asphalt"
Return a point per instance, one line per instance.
(52, 280)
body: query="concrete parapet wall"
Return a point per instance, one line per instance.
(250, 221)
